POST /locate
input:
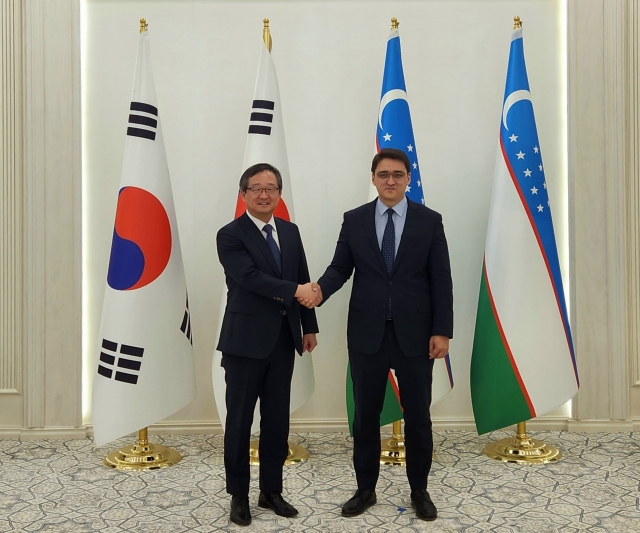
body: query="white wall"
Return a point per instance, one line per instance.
(329, 57)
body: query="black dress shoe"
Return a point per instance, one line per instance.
(421, 502)
(240, 513)
(275, 501)
(359, 503)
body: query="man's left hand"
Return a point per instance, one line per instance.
(309, 342)
(438, 346)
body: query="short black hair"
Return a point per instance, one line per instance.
(256, 169)
(390, 153)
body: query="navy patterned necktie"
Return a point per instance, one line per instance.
(389, 250)
(389, 242)
(274, 247)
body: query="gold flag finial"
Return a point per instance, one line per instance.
(517, 23)
(394, 23)
(266, 34)
(143, 25)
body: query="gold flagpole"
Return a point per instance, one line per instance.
(522, 448)
(143, 455)
(297, 453)
(392, 450)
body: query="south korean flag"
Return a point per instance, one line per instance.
(145, 366)
(266, 144)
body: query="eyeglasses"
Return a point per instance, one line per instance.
(257, 191)
(396, 176)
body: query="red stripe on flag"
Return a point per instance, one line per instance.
(396, 390)
(544, 255)
(506, 344)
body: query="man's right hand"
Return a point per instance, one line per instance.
(309, 294)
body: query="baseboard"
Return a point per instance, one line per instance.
(603, 426)
(325, 425)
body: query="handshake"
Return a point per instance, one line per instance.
(309, 294)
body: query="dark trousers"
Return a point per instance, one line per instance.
(369, 374)
(247, 380)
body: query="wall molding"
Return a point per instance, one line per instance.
(11, 202)
(34, 220)
(632, 191)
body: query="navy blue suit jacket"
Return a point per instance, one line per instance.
(257, 293)
(420, 282)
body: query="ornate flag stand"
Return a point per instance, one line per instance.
(143, 455)
(392, 450)
(522, 449)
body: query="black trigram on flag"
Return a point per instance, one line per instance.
(186, 323)
(131, 363)
(142, 122)
(261, 117)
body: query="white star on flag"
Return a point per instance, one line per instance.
(419, 184)
(415, 165)
(545, 184)
(408, 188)
(513, 138)
(535, 149)
(540, 167)
(520, 155)
(527, 173)
(534, 191)
(387, 137)
(540, 208)
(410, 148)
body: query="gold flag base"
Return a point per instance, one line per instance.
(297, 454)
(392, 450)
(522, 449)
(142, 456)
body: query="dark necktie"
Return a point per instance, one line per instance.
(274, 247)
(389, 250)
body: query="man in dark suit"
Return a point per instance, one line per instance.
(400, 317)
(266, 270)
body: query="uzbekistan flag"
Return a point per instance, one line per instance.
(146, 369)
(394, 130)
(266, 144)
(523, 363)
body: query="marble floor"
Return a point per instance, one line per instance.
(61, 486)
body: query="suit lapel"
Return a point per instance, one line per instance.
(370, 234)
(258, 238)
(407, 233)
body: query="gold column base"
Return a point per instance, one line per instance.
(297, 454)
(392, 450)
(142, 456)
(522, 449)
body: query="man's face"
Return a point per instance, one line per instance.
(391, 179)
(262, 195)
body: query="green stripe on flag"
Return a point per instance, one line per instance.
(497, 398)
(391, 410)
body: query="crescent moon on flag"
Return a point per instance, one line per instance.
(387, 98)
(514, 97)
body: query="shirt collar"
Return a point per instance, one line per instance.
(399, 209)
(261, 224)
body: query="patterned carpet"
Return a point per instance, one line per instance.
(62, 486)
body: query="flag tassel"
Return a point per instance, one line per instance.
(522, 449)
(142, 456)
